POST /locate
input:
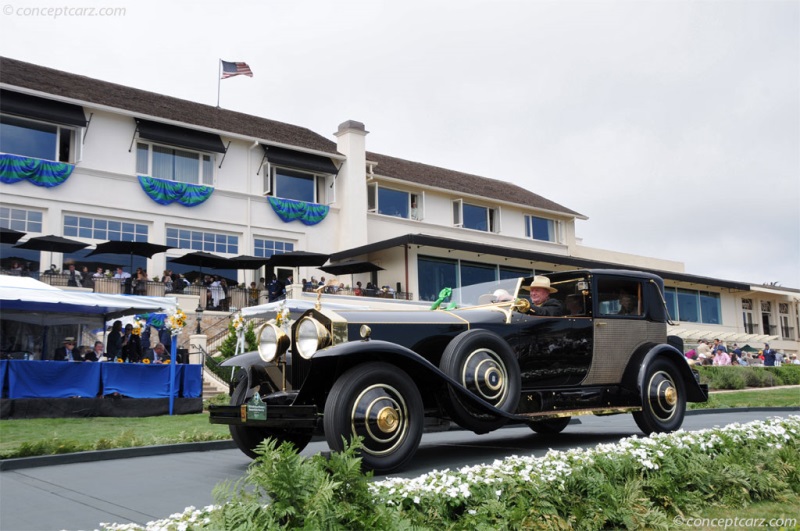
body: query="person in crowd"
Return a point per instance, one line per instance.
(121, 274)
(16, 269)
(691, 354)
(52, 271)
(131, 345)
(96, 353)
(253, 293)
(114, 342)
(74, 277)
(159, 354)
(742, 359)
(67, 352)
(274, 289)
(166, 279)
(793, 360)
(321, 283)
(140, 282)
(358, 291)
(769, 356)
(309, 286)
(225, 302)
(703, 350)
(88, 278)
(721, 356)
(541, 303)
(262, 284)
(627, 304)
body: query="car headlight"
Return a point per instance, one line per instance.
(311, 336)
(272, 342)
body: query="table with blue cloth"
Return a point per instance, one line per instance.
(64, 379)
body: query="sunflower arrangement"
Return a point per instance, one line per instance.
(119, 360)
(283, 316)
(146, 361)
(238, 322)
(138, 326)
(176, 321)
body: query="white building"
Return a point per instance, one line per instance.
(95, 161)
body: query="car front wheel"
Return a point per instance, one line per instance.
(248, 438)
(381, 404)
(663, 398)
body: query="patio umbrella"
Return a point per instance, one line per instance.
(145, 249)
(52, 243)
(203, 259)
(351, 268)
(297, 259)
(244, 261)
(10, 235)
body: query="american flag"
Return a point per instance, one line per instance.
(235, 69)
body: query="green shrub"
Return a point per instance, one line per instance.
(788, 374)
(728, 378)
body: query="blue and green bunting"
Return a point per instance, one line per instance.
(14, 169)
(167, 192)
(291, 210)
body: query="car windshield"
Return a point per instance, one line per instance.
(485, 293)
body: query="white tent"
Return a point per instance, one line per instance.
(27, 300)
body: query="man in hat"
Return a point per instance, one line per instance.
(67, 352)
(542, 304)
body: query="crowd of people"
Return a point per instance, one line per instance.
(123, 344)
(333, 287)
(717, 353)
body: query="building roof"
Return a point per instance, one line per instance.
(437, 242)
(426, 175)
(85, 89)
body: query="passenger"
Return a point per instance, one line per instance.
(627, 304)
(574, 305)
(542, 304)
(501, 295)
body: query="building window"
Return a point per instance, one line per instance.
(210, 242)
(435, 274)
(172, 164)
(542, 229)
(694, 306)
(475, 217)
(396, 203)
(296, 185)
(266, 248)
(21, 219)
(39, 140)
(104, 229)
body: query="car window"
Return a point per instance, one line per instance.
(619, 297)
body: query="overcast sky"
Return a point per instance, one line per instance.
(674, 126)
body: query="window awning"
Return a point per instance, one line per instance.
(299, 160)
(38, 108)
(179, 136)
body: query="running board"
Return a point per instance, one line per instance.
(599, 411)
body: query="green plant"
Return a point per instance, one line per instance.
(729, 378)
(228, 346)
(284, 490)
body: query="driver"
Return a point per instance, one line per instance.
(542, 304)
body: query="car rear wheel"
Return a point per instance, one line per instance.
(663, 398)
(550, 426)
(248, 438)
(484, 364)
(381, 404)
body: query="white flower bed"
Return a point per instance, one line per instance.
(555, 467)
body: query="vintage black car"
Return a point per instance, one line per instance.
(481, 360)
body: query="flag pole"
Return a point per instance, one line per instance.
(219, 79)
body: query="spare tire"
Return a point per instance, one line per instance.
(482, 363)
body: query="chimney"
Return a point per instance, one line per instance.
(351, 193)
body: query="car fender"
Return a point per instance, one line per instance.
(694, 391)
(254, 367)
(358, 351)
